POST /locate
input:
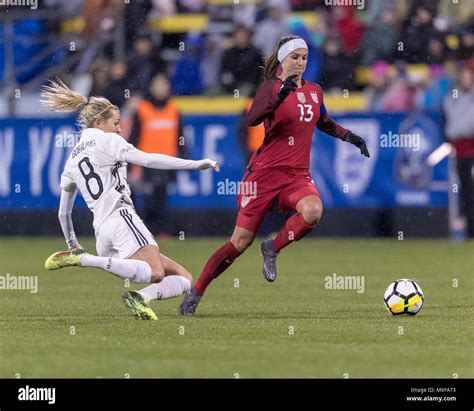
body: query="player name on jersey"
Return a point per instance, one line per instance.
(82, 146)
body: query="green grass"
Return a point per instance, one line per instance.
(245, 330)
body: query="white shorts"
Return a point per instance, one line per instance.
(122, 234)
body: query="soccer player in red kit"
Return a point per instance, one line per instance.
(290, 109)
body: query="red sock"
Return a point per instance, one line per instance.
(294, 229)
(220, 261)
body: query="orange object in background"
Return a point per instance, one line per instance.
(256, 134)
(159, 128)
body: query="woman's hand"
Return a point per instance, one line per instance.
(207, 163)
(287, 87)
(358, 142)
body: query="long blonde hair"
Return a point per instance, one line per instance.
(59, 97)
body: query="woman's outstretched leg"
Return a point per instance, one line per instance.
(220, 261)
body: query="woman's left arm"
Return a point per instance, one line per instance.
(66, 204)
(329, 126)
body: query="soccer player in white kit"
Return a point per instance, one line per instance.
(97, 167)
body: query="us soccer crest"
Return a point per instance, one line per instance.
(301, 97)
(314, 96)
(245, 200)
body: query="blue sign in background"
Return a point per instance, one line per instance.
(392, 176)
(33, 153)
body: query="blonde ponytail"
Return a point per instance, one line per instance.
(59, 97)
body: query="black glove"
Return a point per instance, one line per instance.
(358, 142)
(287, 87)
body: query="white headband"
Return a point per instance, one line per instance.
(291, 46)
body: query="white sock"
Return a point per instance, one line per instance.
(171, 286)
(134, 270)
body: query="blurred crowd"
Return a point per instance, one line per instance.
(385, 37)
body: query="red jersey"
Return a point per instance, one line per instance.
(289, 125)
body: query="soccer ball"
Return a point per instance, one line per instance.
(403, 297)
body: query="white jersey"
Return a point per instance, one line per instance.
(97, 167)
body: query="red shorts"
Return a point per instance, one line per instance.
(259, 190)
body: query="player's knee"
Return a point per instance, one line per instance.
(241, 243)
(312, 212)
(157, 275)
(186, 274)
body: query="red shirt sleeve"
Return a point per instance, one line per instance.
(266, 101)
(329, 126)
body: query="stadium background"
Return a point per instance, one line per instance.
(385, 68)
(75, 325)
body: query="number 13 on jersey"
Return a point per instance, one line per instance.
(306, 112)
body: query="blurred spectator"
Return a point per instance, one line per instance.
(157, 128)
(436, 86)
(163, 8)
(118, 88)
(135, 18)
(98, 15)
(380, 39)
(220, 13)
(213, 50)
(187, 78)
(320, 30)
(430, 5)
(269, 31)
(143, 63)
(375, 9)
(337, 67)
(459, 114)
(466, 49)
(245, 14)
(72, 8)
(378, 84)
(241, 64)
(100, 71)
(350, 29)
(436, 53)
(400, 95)
(418, 31)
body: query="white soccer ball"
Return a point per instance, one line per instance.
(403, 297)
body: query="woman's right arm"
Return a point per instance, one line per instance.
(265, 102)
(164, 162)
